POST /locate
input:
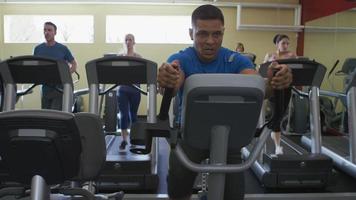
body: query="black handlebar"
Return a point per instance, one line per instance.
(166, 103)
(142, 133)
(333, 68)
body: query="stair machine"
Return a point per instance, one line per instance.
(342, 149)
(297, 168)
(125, 170)
(42, 148)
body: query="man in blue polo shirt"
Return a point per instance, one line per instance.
(208, 56)
(51, 98)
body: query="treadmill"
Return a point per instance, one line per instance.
(342, 149)
(125, 170)
(296, 168)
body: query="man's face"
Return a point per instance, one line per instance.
(207, 36)
(130, 41)
(49, 33)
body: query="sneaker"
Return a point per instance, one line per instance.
(123, 145)
(279, 150)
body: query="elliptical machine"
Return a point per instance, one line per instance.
(47, 147)
(207, 97)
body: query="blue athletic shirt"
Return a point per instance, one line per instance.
(58, 51)
(227, 61)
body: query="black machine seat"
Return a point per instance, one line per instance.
(55, 145)
(225, 95)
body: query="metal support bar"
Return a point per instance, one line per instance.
(94, 98)
(315, 127)
(351, 102)
(39, 189)
(67, 98)
(152, 118)
(218, 154)
(151, 104)
(10, 97)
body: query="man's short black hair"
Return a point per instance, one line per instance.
(51, 24)
(206, 12)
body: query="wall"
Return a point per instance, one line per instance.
(258, 42)
(327, 47)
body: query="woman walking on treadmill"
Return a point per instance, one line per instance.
(282, 43)
(128, 97)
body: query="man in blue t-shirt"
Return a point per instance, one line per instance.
(207, 56)
(51, 98)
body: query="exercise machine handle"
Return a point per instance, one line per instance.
(166, 103)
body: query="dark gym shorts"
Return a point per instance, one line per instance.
(181, 180)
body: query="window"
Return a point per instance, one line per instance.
(29, 28)
(148, 29)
